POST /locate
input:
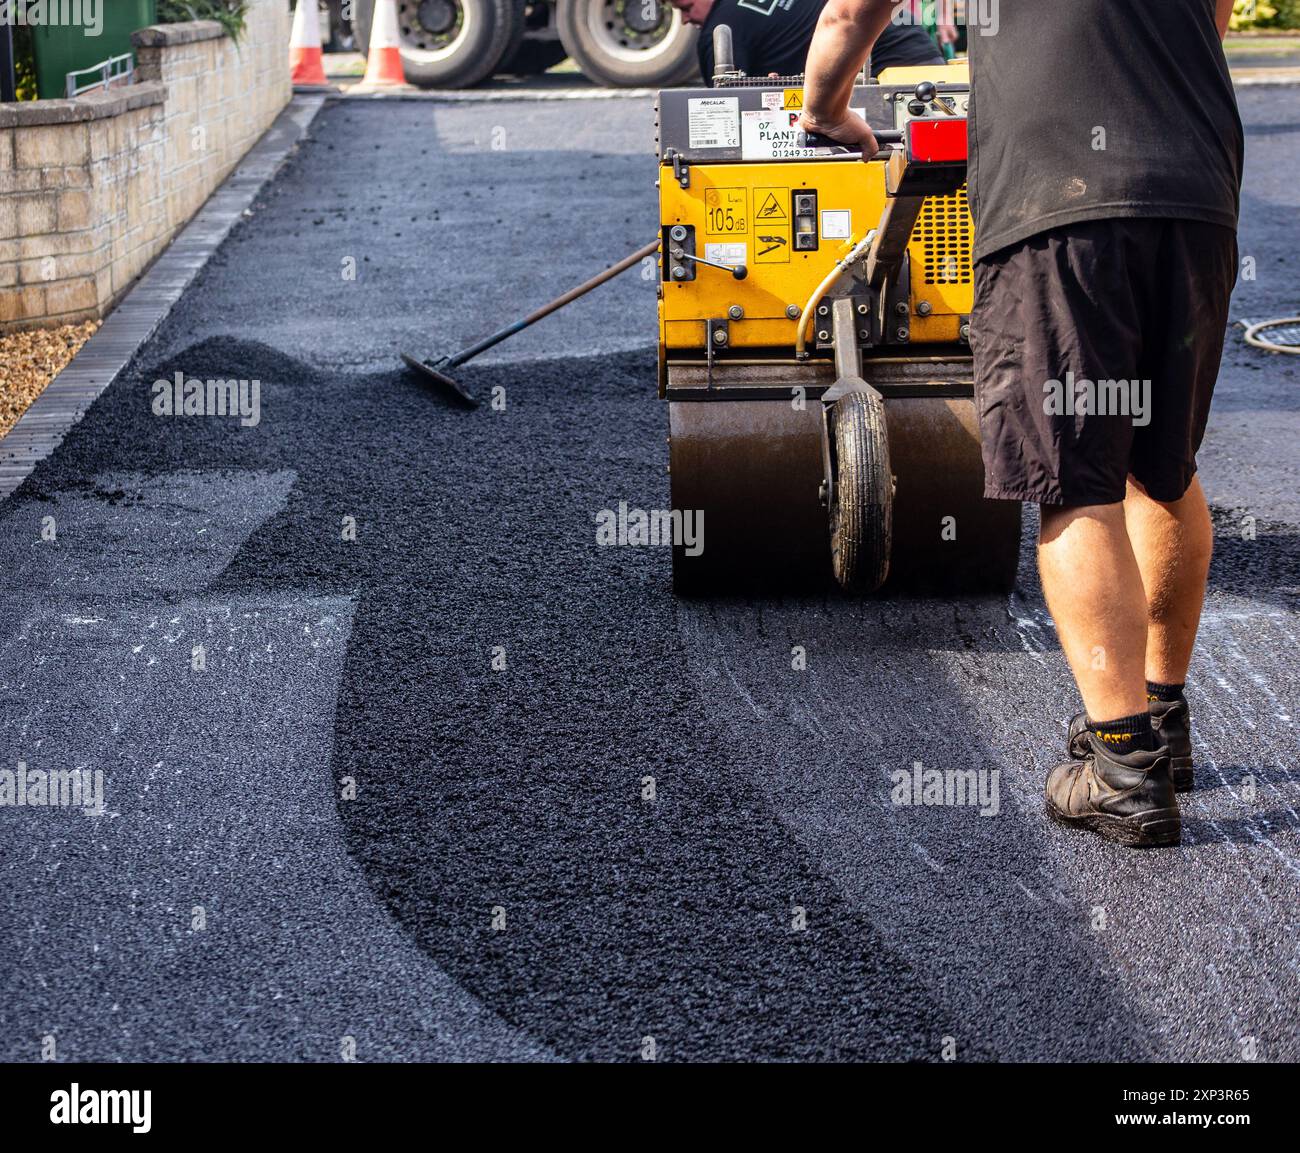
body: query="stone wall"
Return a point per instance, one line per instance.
(92, 189)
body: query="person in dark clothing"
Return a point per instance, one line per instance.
(772, 36)
(1105, 168)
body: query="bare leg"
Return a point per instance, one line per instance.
(1094, 592)
(1172, 544)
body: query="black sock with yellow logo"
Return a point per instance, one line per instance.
(1158, 692)
(1125, 735)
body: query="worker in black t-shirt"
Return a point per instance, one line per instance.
(1106, 156)
(772, 36)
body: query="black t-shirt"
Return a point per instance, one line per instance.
(773, 36)
(1089, 109)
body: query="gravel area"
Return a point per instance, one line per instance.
(30, 360)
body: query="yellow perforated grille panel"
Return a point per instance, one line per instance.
(944, 232)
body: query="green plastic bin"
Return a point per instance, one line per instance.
(63, 48)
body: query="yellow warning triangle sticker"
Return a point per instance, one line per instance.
(771, 209)
(793, 99)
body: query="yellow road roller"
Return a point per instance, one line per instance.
(814, 341)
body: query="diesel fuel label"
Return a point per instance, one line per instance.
(726, 211)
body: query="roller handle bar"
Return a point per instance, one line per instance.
(885, 137)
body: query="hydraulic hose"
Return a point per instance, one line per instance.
(855, 253)
(1254, 339)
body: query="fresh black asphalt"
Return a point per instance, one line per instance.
(353, 827)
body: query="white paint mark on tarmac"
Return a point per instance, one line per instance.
(926, 859)
(1027, 891)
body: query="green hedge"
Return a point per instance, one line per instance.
(228, 13)
(24, 63)
(1247, 14)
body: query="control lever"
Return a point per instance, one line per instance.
(739, 271)
(927, 93)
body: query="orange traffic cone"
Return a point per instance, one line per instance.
(305, 65)
(384, 56)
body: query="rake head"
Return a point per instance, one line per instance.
(432, 370)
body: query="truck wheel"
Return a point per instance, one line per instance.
(862, 507)
(448, 43)
(628, 43)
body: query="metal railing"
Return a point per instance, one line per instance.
(116, 70)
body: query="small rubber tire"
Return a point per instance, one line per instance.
(862, 506)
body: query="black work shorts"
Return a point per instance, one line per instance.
(1096, 350)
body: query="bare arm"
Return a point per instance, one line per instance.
(845, 33)
(1222, 14)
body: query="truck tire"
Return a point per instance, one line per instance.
(448, 43)
(628, 43)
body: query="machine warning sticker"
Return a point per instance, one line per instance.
(712, 122)
(771, 225)
(771, 243)
(773, 205)
(732, 254)
(726, 211)
(793, 99)
(837, 223)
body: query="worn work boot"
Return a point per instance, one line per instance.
(1172, 724)
(1129, 798)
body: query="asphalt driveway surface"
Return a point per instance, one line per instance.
(448, 779)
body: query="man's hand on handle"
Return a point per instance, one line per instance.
(850, 130)
(840, 46)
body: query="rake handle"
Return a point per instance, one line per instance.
(559, 302)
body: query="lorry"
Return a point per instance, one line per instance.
(615, 43)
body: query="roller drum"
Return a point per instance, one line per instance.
(754, 469)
